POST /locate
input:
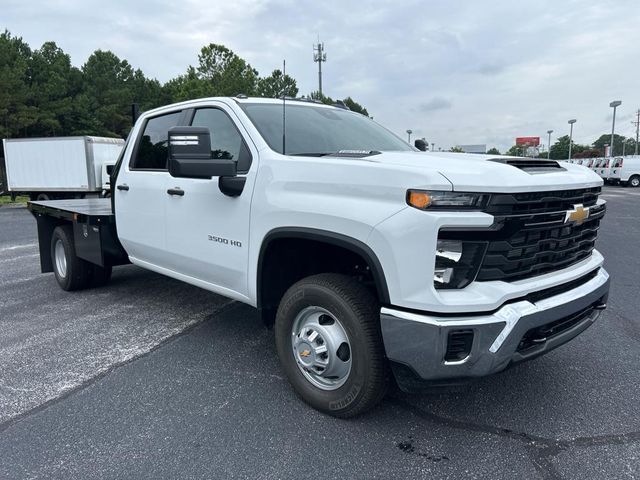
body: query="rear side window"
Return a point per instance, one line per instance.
(151, 152)
(226, 141)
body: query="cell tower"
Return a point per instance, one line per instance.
(319, 56)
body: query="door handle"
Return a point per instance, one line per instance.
(176, 191)
(123, 187)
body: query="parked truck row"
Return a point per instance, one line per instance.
(373, 262)
(617, 170)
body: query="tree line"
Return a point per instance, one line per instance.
(560, 149)
(42, 94)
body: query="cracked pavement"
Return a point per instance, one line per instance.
(151, 378)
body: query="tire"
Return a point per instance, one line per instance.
(43, 197)
(100, 276)
(71, 272)
(344, 309)
(634, 181)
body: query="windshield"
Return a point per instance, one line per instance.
(316, 130)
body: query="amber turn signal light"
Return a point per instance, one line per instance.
(419, 200)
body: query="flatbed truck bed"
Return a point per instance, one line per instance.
(94, 230)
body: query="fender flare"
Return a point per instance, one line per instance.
(337, 239)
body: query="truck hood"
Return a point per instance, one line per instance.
(494, 173)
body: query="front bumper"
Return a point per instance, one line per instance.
(416, 343)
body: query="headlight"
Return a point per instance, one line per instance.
(457, 263)
(434, 200)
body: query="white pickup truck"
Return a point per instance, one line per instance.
(373, 261)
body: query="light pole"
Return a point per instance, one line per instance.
(409, 132)
(549, 132)
(571, 122)
(615, 104)
(433, 147)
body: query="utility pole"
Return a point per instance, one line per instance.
(549, 132)
(571, 122)
(615, 104)
(637, 124)
(319, 56)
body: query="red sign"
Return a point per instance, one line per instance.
(527, 141)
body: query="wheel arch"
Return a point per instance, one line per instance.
(312, 237)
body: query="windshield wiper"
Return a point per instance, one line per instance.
(310, 154)
(339, 153)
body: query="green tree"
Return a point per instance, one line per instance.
(188, 87)
(493, 151)
(349, 102)
(560, 149)
(605, 139)
(275, 85)
(316, 95)
(228, 74)
(16, 113)
(355, 106)
(54, 84)
(514, 151)
(456, 149)
(108, 82)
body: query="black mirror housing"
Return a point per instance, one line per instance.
(190, 155)
(420, 144)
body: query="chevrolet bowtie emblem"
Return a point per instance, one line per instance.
(305, 353)
(578, 215)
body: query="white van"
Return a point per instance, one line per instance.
(603, 168)
(626, 170)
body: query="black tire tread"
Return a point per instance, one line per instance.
(365, 306)
(78, 270)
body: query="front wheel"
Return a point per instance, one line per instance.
(329, 343)
(634, 181)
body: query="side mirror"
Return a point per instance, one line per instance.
(190, 155)
(420, 144)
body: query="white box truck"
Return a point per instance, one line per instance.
(59, 167)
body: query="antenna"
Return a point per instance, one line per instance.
(284, 110)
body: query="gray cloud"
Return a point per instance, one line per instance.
(476, 73)
(437, 103)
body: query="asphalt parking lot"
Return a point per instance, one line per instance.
(151, 378)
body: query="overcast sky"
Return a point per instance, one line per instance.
(454, 72)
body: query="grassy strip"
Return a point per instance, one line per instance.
(6, 200)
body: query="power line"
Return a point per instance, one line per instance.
(319, 56)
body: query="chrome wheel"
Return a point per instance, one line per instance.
(321, 348)
(635, 181)
(60, 258)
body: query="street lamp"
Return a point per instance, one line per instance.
(433, 147)
(571, 122)
(549, 132)
(409, 132)
(615, 104)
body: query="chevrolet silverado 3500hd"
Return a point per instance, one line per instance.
(372, 260)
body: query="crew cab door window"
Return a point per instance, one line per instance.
(226, 141)
(151, 151)
(140, 202)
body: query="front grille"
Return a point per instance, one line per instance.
(534, 239)
(529, 235)
(539, 335)
(541, 202)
